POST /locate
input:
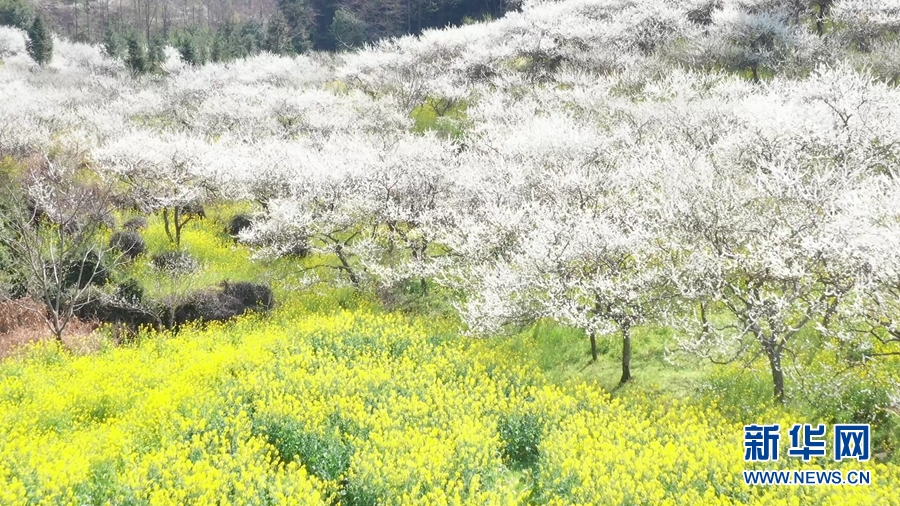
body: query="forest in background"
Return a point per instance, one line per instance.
(220, 30)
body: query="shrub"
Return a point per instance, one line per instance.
(130, 290)
(520, 437)
(129, 243)
(175, 262)
(136, 223)
(251, 295)
(84, 270)
(117, 308)
(238, 223)
(325, 456)
(539, 65)
(207, 306)
(701, 13)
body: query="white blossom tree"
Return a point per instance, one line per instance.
(52, 225)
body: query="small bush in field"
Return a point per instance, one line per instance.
(130, 290)
(251, 295)
(520, 437)
(238, 223)
(326, 457)
(175, 261)
(129, 243)
(135, 224)
(208, 306)
(84, 270)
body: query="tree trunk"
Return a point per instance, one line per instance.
(626, 356)
(774, 355)
(345, 265)
(593, 347)
(165, 215)
(178, 225)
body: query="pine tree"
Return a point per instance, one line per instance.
(278, 37)
(192, 48)
(137, 56)
(225, 43)
(40, 42)
(252, 38)
(15, 13)
(156, 54)
(298, 17)
(348, 30)
(113, 44)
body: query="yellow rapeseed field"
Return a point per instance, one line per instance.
(357, 407)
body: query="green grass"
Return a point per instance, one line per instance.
(220, 259)
(446, 118)
(564, 355)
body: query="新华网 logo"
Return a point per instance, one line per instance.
(850, 441)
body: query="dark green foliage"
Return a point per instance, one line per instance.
(325, 456)
(251, 295)
(102, 484)
(298, 250)
(113, 42)
(12, 279)
(39, 43)
(16, 13)
(208, 306)
(238, 223)
(124, 306)
(193, 48)
(233, 40)
(130, 290)
(85, 269)
(297, 15)
(348, 30)
(194, 209)
(130, 243)
(520, 439)
(226, 43)
(360, 494)
(320, 31)
(156, 54)
(701, 13)
(540, 65)
(278, 36)
(136, 223)
(252, 38)
(136, 59)
(305, 24)
(234, 299)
